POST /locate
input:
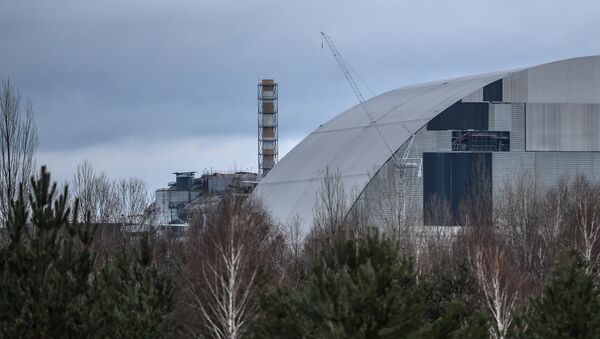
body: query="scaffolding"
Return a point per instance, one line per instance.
(480, 141)
(267, 126)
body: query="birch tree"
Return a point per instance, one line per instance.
(230, 257)
(519, 215)
(18, 144)
(499, 282)
(585, 220)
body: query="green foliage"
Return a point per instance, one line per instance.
(457, 321)
(361, 289)
(131, 297)
(44, 269)
(358, 289)
(568, 307)
(445, 283)
(48, 285)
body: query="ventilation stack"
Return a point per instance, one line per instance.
(267, 126)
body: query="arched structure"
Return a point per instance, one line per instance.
(549, 114)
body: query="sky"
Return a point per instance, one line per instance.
(144, 88)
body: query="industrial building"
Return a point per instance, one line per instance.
(438, 139)
(175, 203)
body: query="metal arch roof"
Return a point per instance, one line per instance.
(351, 145)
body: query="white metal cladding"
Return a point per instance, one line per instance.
(500, 117)
(351, 145)
(517, 133)
(509, 166)
(553, 166)
(563, 127)
(514, 87)
(476, 96)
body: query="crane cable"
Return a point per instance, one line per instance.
(345, 69)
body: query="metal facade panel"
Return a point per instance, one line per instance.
(476, 96)
(389, 193)
(461, 115)
(514, 87)
(517, 133)
(500, 117)
(574, 80)
(550, 167)
(563, 127)
(444, 139)
(493, 91)
(451, 176)
(426, 142)
(506, 166)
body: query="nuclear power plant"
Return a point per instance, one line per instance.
(409, 148)
(176, 203)
(401, 149)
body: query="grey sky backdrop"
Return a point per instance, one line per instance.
(145, 88)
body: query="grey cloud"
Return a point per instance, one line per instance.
(104, 71)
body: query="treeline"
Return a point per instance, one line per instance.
(51, 283)
(529, 270)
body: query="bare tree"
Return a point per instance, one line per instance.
(18, 144)
(295, 245)
(93, 191)
(552, 230)
(499, 281)
(438, 212)
(331, 207)
(585, 220)
(230, 258)
(476, 209)
(518, 211)
(132, 203)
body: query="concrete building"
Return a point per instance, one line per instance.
(433, 139)
(175, 203)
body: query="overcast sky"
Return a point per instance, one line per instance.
(146, 88)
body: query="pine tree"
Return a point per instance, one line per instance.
(360, 288)
(130, 297)
(568, 307)
(457, 321)
(45, 267)
(49, 287)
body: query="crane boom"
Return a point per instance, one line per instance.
(345, 69)
(401, 164)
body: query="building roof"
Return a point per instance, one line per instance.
(350, 145)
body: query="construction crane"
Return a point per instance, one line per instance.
(347, 73)
(405, 161)
(361, 99)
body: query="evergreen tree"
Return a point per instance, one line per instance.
(568, 307)
(457, 321)
(48, 284)
(366, 289)
(45, 267)
(445, 283)
(360, 288)
(130, 297)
